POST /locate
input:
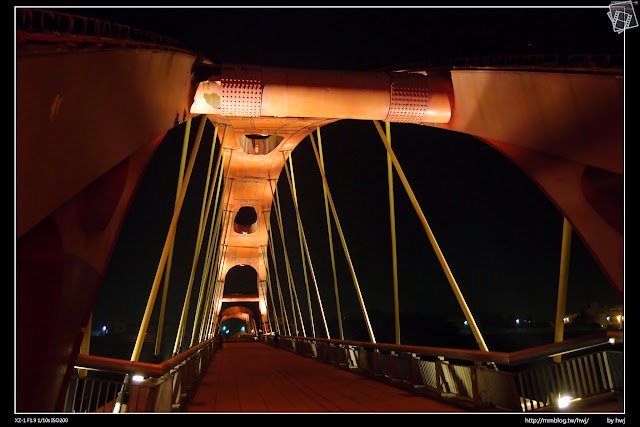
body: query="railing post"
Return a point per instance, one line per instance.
(475, 387)
(375, 363)
(342, 355)
(393, 368)
(414, 371)
(163, 391)
(441, 380)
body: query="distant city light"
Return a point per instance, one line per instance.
(224, 328)
(104, 329)
(466, 323)
(242, 329)
(517, 321)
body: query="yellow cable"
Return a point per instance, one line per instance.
(214, 247)
(200, 234)
(167, 273)
(344, 244)
(196, 255)
(434, 243)
(294, 198)
(562, 284)
(305, 248)
(270, 289)
(330, 235)
(223, 248)
(292, 288)
(163, 257)
(203, 287)
(275, 268)
(394, 255)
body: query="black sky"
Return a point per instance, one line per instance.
(498, 232)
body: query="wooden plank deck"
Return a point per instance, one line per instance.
(251, 377)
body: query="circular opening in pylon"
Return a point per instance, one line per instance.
(259, 143)
(246, 220)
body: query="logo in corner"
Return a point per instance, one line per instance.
(622, 15)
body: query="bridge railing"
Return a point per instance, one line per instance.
(522, 381)
(101, 384)
(584, 62)
(56, 26)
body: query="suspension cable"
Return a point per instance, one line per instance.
(186, 303)
(265, 259)
(222, 238)
(167, 274)
(275, 268)
(210, 267)
(214, 245)
(394, 255)
(294, 198)
(565, 254)
(196, 320)
(165, 252)
(330, 235)
(220, 257)
(182, 327)
(344, 243)
(219, 288)
(292, 288)
(202, 224)
(434, 243)
(207, 278)
(215, 288)
(305, 249)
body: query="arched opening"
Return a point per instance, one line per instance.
(241, 280)
(260, 143)
(239, 322)
(246, 220)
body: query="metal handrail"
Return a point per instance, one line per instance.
(57, 27)
(86, 361)
(525, 380)
(168, 385)
(503, 358)
(593, 62)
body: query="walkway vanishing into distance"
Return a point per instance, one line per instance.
(255, 377)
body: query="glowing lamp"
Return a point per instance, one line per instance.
(564, 401)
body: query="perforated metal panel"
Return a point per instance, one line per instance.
(409, 98)
(241, 92)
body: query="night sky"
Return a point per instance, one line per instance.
(498, 232)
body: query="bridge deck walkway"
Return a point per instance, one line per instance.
(251, 377)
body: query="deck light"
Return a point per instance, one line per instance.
(564, 401)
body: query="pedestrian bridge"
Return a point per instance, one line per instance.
(94, 100)
(282, 374)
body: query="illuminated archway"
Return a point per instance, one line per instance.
(235, 317)
(241, 280)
